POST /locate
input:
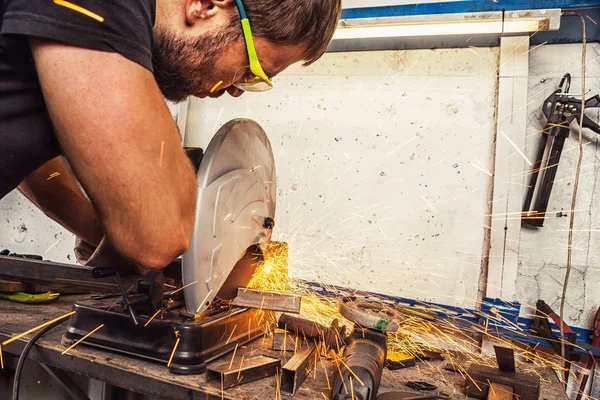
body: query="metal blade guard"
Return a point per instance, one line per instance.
(235, 209)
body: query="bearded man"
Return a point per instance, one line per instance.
(85, 80)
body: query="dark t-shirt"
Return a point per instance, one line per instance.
(27, 138)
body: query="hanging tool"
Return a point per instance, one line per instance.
(560, 109)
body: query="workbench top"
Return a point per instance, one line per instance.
(153, 379)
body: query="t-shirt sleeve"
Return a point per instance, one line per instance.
(121, 26)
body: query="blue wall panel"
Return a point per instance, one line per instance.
(463, 7)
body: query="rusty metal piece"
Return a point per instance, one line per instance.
(505, 358)
(230, 374)
(332, 337)
(369, 314)
(295, 371)
(59, 275)
(480, 377)
(265, 300)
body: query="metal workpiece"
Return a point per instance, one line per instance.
(360, 373)
(332, 337)
(234, 211)
(239, 371)
(58, 275)
(369, 314)
(266, 300)
(295, 371)
(480, 377)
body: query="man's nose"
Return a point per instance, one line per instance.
(234, 92)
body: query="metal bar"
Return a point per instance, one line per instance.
(295, 371)
(232, 373)
(267, 300)
(505, 358)
(58, 275)
(65, 381)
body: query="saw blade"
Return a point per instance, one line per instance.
(234, 213)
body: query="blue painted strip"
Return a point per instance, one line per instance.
(452, 7)
(466, 318)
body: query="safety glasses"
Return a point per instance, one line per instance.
(257, 81)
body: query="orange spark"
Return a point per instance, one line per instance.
(82, 339)
(53, 175)
(183, 287)
(162, 153)
(151, 318)
(79, 9)
(173, 352)
(231, 335)
(19, 336)
(233, 356)
(90, 282)
(216, 86)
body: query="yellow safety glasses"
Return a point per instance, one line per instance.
(257, 80)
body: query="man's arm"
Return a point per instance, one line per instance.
(123, 145)
(53, 189)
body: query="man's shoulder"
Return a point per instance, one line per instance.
(122, 26)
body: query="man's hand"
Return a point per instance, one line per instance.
(123, 145)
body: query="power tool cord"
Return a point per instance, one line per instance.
(23, 357)
(575, 184)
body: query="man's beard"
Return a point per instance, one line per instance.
(182, 64)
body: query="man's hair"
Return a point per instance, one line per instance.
(295, 21)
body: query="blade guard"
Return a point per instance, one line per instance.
(236, 193)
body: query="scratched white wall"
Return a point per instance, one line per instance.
(543, 252)
(381, 167)
(381, 159)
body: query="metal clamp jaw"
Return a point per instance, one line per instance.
(562, 106)
(560, 109)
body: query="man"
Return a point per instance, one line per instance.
(84, 79)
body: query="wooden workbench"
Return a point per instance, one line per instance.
(153, 379)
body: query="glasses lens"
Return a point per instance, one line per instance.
(260, 86)
(245, 80)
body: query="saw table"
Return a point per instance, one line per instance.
(153, 379)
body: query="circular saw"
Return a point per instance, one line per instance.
(235, 214)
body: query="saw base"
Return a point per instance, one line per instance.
(199, 341)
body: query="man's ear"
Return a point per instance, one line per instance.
(205, 9)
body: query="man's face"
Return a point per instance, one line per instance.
(186, 65)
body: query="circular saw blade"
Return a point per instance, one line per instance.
(236, 193)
